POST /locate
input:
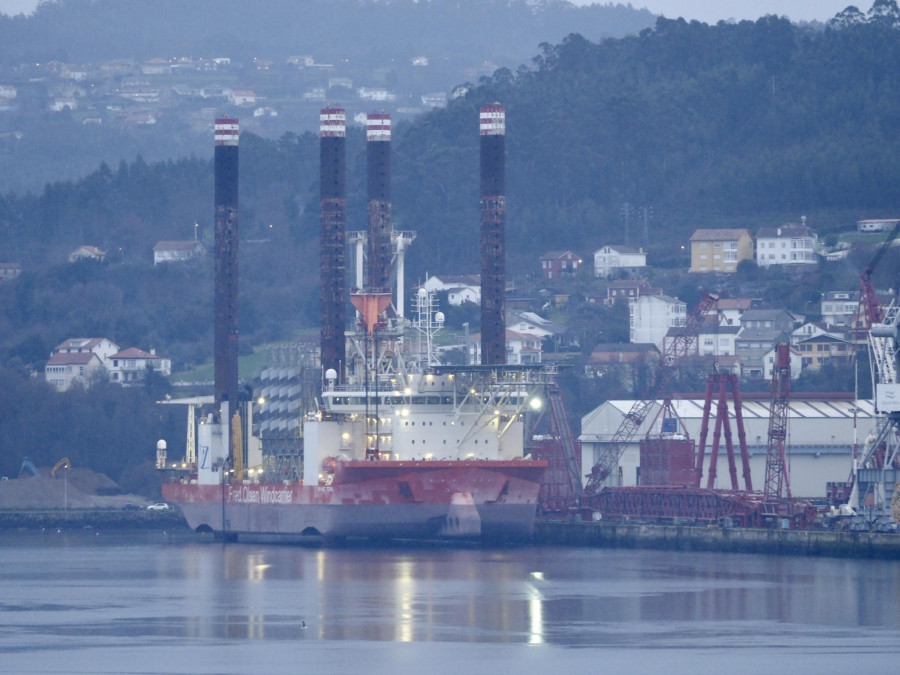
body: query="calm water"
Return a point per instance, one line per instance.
(86, 603)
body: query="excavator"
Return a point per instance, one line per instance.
(64, 463)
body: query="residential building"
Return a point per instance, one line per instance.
(629, 289)
(557, 264)
(87, 253)
(9, 271)
(530, 323)
(796, 363)
(651, 317)
(609, 260)
(176, 251)
(131, 365)
(824, 349)
(241, 97)
(720, 250)
(520, 348)
(730, 310)
(781, 319)
(716, 339)
(156, 66)
(789, 244)
(876, 225)
(840, 308)
(60, 103)
(812, 329)
(64, 369)
(752, 345)
(102, 347)
(627, 363)
(460, 289)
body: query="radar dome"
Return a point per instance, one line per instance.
(422, 293)
(160, 444)
(331, 374)
(439, 317)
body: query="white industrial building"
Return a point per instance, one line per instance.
(819, 445)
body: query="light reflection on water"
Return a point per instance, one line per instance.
(110, 595)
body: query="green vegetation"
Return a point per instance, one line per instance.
(749, 124)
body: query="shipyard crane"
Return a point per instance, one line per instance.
(876, 468)
(870, 306)
(723, 383)
(777, 480)
(673, 351)
(561, 486)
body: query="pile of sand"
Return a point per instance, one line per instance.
(77, 490)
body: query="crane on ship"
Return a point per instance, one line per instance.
(879, 467)
(673, 351)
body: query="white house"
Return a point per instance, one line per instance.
(176, 251)
(530, 323)
(715, 339)
(840, 308)
(77, 359)
(9, 271)
(459, 289)
(102, 347)
(242, 97)
(730, 310)
(811, 329)
(876, 225)
(520, 348)
(789, 244)
(651, 317)
(62, 370)
(60, 103)
(130, 365)
(87, 253)
(611, 259)
(375, 94)
(796, 361)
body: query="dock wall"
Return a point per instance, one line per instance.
(731, 540)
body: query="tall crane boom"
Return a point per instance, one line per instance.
(868, 298)
(777, 479)
(673, 351)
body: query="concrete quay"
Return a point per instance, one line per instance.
(731, 540)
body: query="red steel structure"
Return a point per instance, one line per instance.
(870, 306)
(492, 129)
(225, 358)
(333, 164)
(723, 384)
(778, 484)
(673, 350)
(378, 184)
(561, 485)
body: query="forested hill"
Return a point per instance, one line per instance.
(752, 124)
(502, 31)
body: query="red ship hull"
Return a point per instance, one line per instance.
(383, 499)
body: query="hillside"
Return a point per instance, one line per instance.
(748, 124)
(86, 81)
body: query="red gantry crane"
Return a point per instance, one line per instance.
(673, 351)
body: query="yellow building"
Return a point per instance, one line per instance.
(720, 250)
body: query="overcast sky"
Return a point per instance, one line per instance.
(702, 10)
